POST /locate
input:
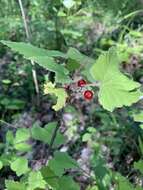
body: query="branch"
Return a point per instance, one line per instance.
(27, 31)
(54, 134)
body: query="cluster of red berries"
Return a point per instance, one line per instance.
(88, 94)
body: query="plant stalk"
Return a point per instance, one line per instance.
(27, 31)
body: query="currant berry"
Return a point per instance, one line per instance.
(88, 94)
(66, 87)
(81, 83)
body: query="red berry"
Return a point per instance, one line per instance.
(81, 83)
(66, 87)
(88, 94)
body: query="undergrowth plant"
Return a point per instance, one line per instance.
(79, 76)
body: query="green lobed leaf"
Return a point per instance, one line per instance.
(50, 64)
(50, 177)
(28, 50)
(35, 180)
(9, 137)
(60, 93)
(50, 128)
(74, 54)
(12, 104)
(139, 166)
(45, 134)
(14, 185)
(20, 166)
(60, 162)
(123, 183)
(138, 117)
(66, 182)
(6, 158)
(43, 57)
(116, 90)
(22, 135)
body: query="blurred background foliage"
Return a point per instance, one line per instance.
(113, 141)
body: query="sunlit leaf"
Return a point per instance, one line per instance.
(14, 185)
(139, 166)
(60, 93)
(116, 90)
(36, 180)
(60, 162)
(20, 166)
(45, 134)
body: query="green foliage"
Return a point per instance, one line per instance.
(123, 183)
(138, 117)
(50, 177)
(49, 64)
(1, 165)
(22, 135)
(61, 162)
(103, 176)
(43, 57)
(139, 166)
(60, 93)
(97, 138)
(29, 51)
(67, 183)
(116, 89)
(12, 104)
(14, 185)
(36, 176)
(44, 134)
(20, 166)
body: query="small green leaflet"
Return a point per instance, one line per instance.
(138, 188)
(60, 162)
(12, 104)
(123, 183)
(9, 137)
(139, 166)
(1, 165)
(35, 180)
(44, 134)
(14, 185)
(60, 93)
(20, 166)
(58, 183)
(138, 117)
(67, 183)
(22, 135)
(50, 177)
(43, 57)
(74, 54)
(77, 60)
(116, 90)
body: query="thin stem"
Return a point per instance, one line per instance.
(97, 84)
(27, 31)
(54, 134)
(8, 124)
(53, 139)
